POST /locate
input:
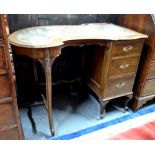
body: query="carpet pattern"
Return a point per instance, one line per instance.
(135, 128)
(76, 118)
(142, 132)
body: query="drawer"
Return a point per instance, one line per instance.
(116, 87)
(2, 58)
(121, 66)
(1, 42)
(5, 89)
(7, 115)
(151, 72)
(11, 134)
(126, 48)
(153, 57)
(149, 87)
(0, 30)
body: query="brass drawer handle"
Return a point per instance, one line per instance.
(127, 48)
(124, 66)
(120, 85)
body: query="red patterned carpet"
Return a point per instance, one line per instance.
(143, 132)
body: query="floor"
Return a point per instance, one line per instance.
(72, 112)
(138, 126)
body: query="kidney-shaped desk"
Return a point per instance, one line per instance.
(44, 43)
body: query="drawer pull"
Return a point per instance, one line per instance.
(127, 48)
(120, 85)
(124, 66)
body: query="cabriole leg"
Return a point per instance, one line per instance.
(102, 108)
(127, 102)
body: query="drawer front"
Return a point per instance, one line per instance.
(121, 66)
(151, 72)
(2, 58)
(126, 48)
(5, 89)
(11, 134)
(7, 115)
(0, 30)
(120, 86)
(149, 87)
(153, 57)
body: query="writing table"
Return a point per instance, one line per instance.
(44, 43)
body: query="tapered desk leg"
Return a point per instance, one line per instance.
(48, 76)
(47, 66)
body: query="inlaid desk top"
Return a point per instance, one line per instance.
(52, 36)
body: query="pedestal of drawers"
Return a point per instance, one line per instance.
(113, 70)
(144, 88)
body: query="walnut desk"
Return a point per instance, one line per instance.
(112, 76)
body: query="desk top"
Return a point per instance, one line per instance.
(52, 36)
